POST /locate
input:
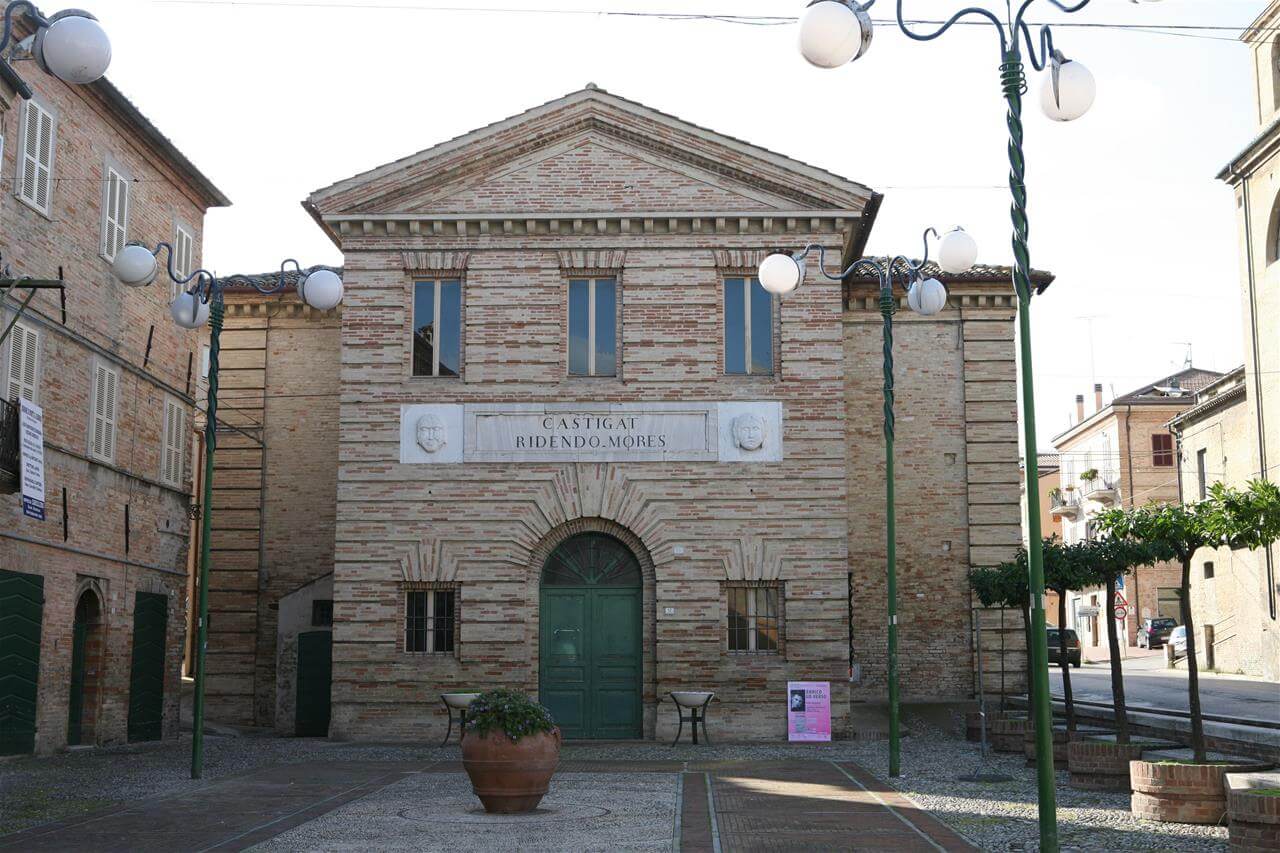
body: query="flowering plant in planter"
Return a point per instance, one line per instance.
(509, 711)
(510, 750)
(1090, 475)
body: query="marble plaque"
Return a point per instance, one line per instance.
(591, 432)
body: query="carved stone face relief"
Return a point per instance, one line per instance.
(432, 433)
(748, 431)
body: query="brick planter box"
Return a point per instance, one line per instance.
(1255, 818)
(1060, 741)
(1006, 733)
(973, 723)
(1102, 765)
(1183, 793)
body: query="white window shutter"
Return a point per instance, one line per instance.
(172, 463)
(35, 164)
(105, 388)
(24, 350)
(115, 220)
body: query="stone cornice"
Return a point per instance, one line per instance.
(590, 224)
(264, 305)
(869, 302)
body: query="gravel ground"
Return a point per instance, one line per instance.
(1002, 816)
(997, 817)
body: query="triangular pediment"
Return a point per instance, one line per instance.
(592, 152)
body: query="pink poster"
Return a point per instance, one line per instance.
(809, 710)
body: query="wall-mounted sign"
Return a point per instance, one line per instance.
(809, 710)
(591, 432)
(31, 441)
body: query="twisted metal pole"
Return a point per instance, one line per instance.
(216, 310)
(888, 306)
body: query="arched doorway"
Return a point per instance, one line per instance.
(589, 656)
(86, 670)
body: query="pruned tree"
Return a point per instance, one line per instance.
(1104, 561)
(1236, 518)
(1005, 585)
(1064, 570)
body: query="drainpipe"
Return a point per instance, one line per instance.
(1251, 275)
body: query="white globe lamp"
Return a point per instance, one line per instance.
(927, 297)
(189, 311)
(134, 266)
(74, 47)
(1072, 95)
(834, 33)
(322, 290)
(957, 251)
(780, 274)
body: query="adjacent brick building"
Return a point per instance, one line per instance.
(91, 597)
(580, 452)
(1247, 586)
(1123, 455)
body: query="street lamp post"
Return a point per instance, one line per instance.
(781, 274)
(200, 302)
(70, 45)
(836, 32)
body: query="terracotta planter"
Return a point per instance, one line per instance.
(510, 776)
(1102, 765)
(1255, 818)
(1183, 793)
(1006, 733)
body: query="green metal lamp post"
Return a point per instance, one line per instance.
(836, 32)
(781, 274)
(202, 301)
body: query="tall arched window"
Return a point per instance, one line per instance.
(1275, 73)
(1273, 233)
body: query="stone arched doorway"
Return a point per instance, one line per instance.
(590, 655)
(86, 670)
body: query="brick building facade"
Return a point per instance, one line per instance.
(1127, 445)
(91, 597)
(579, 452)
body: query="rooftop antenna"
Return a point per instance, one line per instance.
(1187, 361)
(1088, 319)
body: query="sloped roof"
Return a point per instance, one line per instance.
(376, 190)
(1180, 386)
(249, 284)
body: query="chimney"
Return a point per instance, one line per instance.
(1097, 396)
(1079, 408)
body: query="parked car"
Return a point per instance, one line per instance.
(1178, 639)
(1073, 647)
(1155, 632)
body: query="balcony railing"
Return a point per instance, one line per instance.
(1065, 503)
(10, 478)
(1102, 489)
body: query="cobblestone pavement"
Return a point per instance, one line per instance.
(290, 794)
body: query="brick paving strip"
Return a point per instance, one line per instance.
(792, 805)
(232, 813)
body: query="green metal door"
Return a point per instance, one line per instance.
(146, 671)
(590, 638)
(21, 612)
(315, 675)
(75, 706)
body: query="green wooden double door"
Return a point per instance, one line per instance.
(590, 660)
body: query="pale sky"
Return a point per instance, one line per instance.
(275, 98)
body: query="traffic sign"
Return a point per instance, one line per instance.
(1120, 601)
(1121, 611)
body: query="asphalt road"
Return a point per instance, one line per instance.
(1147, 683)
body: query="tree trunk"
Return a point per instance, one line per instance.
(1117, 676)
(1193, 675)
(1065, 664)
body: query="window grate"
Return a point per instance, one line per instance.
(753, 626)
(430, 620)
